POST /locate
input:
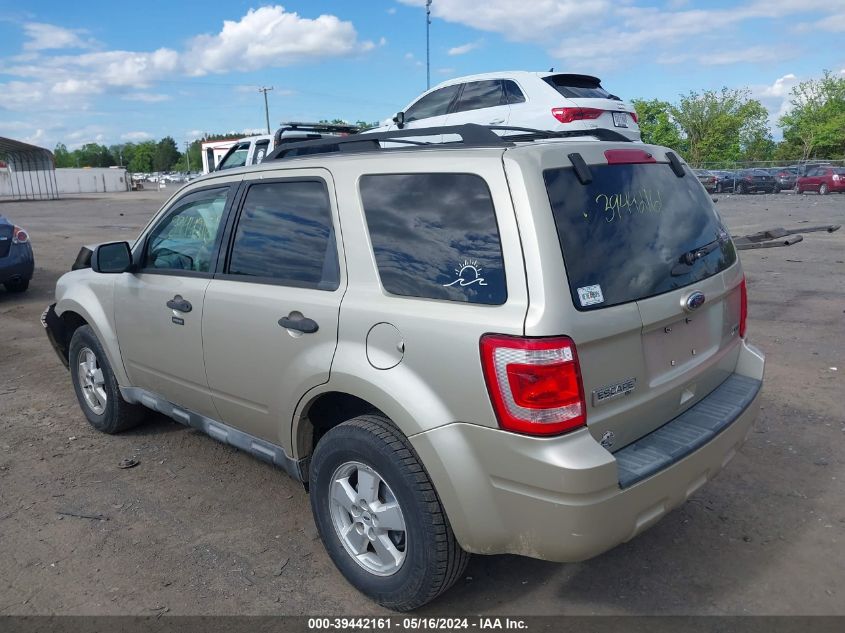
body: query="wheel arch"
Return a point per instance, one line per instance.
(74, 313)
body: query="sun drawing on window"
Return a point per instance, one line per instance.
(468, 273)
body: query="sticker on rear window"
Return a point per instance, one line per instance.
(590, 295)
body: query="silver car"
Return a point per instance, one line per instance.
(535, 347)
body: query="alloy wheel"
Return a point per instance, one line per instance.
(91, 381)
(367, 518)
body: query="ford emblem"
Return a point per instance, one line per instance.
(694, 301)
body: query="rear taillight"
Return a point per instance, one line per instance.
(568, 115)
(836, 178)
(534, 383)
(743, 307)
(635, 117)
(19, 236)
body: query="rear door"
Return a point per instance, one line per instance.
(653, 279)
(270, 321)
(482, 102)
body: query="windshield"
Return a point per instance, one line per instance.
(627, 235)
(235, 157)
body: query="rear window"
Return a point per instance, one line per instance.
(624, 235)
(435, 236)
(578, 86)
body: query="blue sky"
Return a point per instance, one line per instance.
(111, 72)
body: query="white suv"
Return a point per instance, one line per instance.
(545, 101)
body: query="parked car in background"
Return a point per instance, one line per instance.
(725, 180)
(755, 180)
(706, 178)
(540, 100)
(16, 260)
(823, 179)
(784, 176)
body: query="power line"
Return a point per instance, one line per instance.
(266, 107)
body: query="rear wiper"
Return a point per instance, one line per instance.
(688, 259)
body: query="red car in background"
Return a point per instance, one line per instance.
(823, 179)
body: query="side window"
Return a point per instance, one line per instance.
(481, 94)
(433, 104)
(513, 93)
(235, 157)
(260, 151)
(285, 235)
(435, 236)
(185, 239)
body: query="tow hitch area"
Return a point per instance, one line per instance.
(772, 238)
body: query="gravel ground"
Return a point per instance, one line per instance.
(199, 528)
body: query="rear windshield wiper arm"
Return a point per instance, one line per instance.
(689, 258)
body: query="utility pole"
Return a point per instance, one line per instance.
(188, 154)
(427, 46)
(266, 107)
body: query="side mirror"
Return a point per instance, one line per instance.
(114, 257)
(399, 119)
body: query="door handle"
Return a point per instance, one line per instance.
(302, 324)
(180, 304)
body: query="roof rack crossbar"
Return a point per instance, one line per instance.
(472, 135)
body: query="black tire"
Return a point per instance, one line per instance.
(117, 415)
(741, 189)
(776, 189)
(433, 558)
(823, 189)
(18, 285)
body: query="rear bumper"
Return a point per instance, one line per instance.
(56, 334)
(18, 264)
(568, 499)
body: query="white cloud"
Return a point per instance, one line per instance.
(754, 54)
(463, 49)
(593, 34)
(446, 71)
(77, 87)
(776, 96)
(520, 21)
(391, 11)
(49, 36)
(834, 23)
(271, 37)
(136, 137)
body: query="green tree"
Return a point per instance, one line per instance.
(166, 154)
(657, 125)
(63, 157)
(817, 119)
(142, 159)
(716, 124)
(93, 155)
(755, 137)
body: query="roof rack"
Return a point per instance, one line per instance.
(316, 128)
(471, 134)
